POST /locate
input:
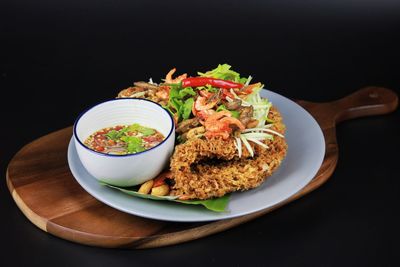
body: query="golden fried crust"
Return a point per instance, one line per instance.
(207, 168)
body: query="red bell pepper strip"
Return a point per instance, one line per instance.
(203, 81)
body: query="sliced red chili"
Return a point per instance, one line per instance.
(203, 81)
(99, 148)
(153, 138)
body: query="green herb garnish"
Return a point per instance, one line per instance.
(224, 72)
(186, 108)
(134, 144)
(115, 135)
(181, 101)
(141, 129)
(234, 113)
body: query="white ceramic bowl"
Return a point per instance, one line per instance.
(131, 169)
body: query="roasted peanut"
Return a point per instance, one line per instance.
(161, 190)
(146, 187)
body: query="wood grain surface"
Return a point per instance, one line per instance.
(44, 189)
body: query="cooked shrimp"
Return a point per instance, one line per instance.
(219, 124)
(223, 134)
(202, 103)
(169, 79)
(204, 114)
(219, 115)
(205, 93)
(233, 121)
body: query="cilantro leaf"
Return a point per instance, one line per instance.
(112, 134)
(136, 127)
(147, 131)
(134, 144)
(115, 135)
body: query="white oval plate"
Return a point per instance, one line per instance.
(306, 150)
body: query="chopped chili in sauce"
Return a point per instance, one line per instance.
(124, 139)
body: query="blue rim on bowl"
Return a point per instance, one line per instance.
(127, 155)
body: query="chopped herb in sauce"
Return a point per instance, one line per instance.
(124, 139)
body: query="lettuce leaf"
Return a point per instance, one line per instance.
(224, 72)
(186, 108)
(181, 101)
(186, 91)
(215, 204)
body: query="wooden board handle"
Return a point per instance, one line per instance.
(367, 101)
(364, 102)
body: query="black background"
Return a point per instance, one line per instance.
(59, 57)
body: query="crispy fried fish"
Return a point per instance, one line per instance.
(206, 168)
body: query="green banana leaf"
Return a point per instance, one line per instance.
(215, 204)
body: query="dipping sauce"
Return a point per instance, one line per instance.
(124, 139)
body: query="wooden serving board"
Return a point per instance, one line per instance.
(43, 187)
